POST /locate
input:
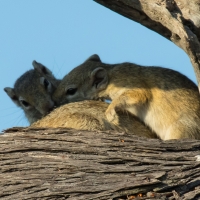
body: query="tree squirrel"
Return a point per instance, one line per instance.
(164, 99)
(32, 92)
(90, 115)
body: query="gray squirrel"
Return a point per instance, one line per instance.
(33, 90)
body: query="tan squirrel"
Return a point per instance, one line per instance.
(32, 92)
(90, 115)
(165, 100)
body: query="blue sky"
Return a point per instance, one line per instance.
(62, 34)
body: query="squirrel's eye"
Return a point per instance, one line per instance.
(46, 83)
(71, 91)
(26, 104)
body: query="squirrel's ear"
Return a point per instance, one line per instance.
(41, 68)
(11, 93)
(99, 78)
(94, 57)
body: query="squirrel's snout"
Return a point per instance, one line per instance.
(51, 108)
(47, 108)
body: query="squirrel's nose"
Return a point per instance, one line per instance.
(56, 104)
(47, 108)
(50, 108)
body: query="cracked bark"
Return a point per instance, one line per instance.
(176, 20)
(71, 164)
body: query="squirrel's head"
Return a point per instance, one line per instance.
(33, 90)
(83, 82)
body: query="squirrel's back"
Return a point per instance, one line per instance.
(90, 115)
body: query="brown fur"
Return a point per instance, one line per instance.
(165, 100)
(90, 115)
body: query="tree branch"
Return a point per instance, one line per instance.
(71, 164)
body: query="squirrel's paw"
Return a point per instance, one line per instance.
(112, 115)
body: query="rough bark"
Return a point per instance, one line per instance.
(70, 164)
(176, 20)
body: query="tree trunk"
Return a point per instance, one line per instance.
(71, 164)
(176, 20)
